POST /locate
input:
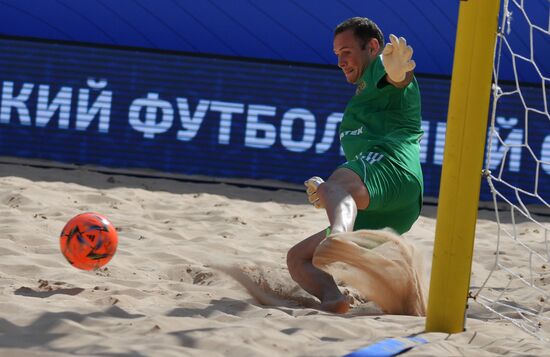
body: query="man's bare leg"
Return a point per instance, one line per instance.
(313, 280)
(341, 195)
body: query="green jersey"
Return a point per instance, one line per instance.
(383, 118)
(380, 135)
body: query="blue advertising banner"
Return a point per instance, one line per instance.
(220, 117)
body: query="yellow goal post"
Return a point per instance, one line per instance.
(462, 165)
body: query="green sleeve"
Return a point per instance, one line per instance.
(378, 71)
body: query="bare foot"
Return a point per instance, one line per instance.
(340, 305)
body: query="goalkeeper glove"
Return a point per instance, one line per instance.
(396, 58)
(312, 185)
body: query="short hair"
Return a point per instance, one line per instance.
(363, 28)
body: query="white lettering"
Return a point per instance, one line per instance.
(190, 123)
(424, 141)
(254, 126)
(287, 125)
(101, 107)
(61, 102)
(17, 102)
(439, 147)
(150, 127)
(510, 147)
(545, 155)
(330, 131)
(227, 110)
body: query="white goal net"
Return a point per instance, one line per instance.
(514, 283)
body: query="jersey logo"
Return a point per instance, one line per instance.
(360, 87)
(352, 132)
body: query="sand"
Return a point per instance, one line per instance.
(177, 285)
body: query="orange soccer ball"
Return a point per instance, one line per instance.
(88, 241)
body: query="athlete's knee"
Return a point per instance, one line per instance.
(295, 260)
(331, 188)
(302, 252)
(291, 257)
(345, 182)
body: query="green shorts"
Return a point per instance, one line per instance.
(395, 194)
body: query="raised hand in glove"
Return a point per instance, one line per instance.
(396, 58)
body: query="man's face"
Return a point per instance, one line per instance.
(352, 59)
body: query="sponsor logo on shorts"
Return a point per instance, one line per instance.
(370, 157)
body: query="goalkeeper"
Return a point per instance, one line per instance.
(381, 183)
